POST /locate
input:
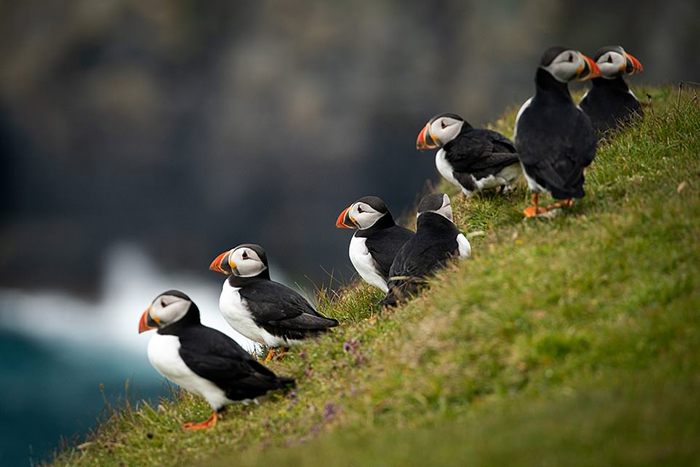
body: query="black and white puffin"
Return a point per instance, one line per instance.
(435, 242)
(610, 101)
(264, 311)
(200, 359)
(554, 137)
(378, 238)
(471, 158)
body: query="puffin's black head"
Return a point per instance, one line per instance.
(246, 260)
(362, 214)
(168, 308)
(438, 203)
(566, 64)
(613, 61)
(440, 130)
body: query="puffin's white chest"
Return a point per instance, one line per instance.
(235, 310)
(164, 355)
(364, 263)
(444, 167)
(465, 248)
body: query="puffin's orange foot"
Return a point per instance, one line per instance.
(567, 203)
(208, 423)
(530, 211)
(282, 354)
(270, 355)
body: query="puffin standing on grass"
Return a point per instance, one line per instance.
(264, 311)
(200, 359)
(471, 158)
(377, 240)
(554, 137)
(435, 242)
(610, 101)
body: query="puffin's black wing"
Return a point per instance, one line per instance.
(609, 103)
(480, 152)
(385, 243)
(219, 359)
(283, 312)
(556, 149)
(430, 249)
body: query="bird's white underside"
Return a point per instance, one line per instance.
(164, 355)
(465, 248)
(235, 311)
(364, 263)
(505, 177)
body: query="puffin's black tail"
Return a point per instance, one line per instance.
(389, 300)
(285, 382)
(398, 288)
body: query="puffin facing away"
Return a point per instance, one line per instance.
(264, 311)
(610, 101)
(471, 158)
(374, 245)
(200, 359)
(435, 242)
(554, 138)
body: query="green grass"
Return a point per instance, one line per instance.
(569, 341)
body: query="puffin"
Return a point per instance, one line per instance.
(610, 101)
(554, 138)
(471, 158)
(436, 241)
(264, 311)
(378, 238)
(202, 360)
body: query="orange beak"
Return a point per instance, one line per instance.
(344, 221)
(633, 65)
(422, 142)
(593, 70)
(216, 265)
(144, 322)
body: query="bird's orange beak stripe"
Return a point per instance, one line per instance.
(143, 323)
(216, 264)
(593, 70)
(422, 142)
(344, 221)
(636, 64)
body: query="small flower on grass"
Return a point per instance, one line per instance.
(329, 411)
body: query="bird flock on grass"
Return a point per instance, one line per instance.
(554, 141)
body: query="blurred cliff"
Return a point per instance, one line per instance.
(188, 127)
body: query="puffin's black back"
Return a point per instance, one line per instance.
(384, 239)
(555, 139)
(283, 312)
(480, 153)
(219, 359)
(434, 243)
(609, 103)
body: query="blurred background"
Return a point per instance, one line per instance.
(138, 140)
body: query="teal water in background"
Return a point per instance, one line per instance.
(52, 391)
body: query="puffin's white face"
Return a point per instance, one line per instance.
(568, 65)
(445, 210)
(245, 262)
(612, 64)
(364, 215)
(445, 129)
(168, 309)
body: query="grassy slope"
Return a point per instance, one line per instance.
(569, 341)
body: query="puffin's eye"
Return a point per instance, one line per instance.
(359, 209)
(571, 58)
(245, 255)
(443, 124)
(609, 58)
